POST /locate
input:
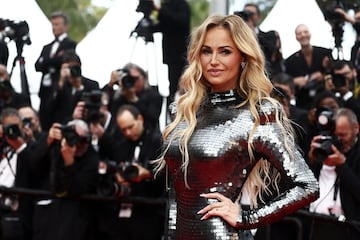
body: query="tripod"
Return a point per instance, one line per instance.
(24, 81)
(143, 30)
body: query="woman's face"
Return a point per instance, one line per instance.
(220, 60)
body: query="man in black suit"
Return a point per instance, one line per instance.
(15, 211)
(68, 90)
(50, 60)
(174, 24)
(67, 166)
(141, 144)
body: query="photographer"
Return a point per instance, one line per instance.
(8, 96)
(93, 108)
(355, 50)
(133, 88)
(31, 123)
(307, 67)
(50, 60)
(342, 81)
(68, 167)
(16, 155)
(68, 91)
(140, 145)
(174, 23)
(269, 41)
(338, 172)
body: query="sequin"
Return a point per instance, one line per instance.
(219, 161)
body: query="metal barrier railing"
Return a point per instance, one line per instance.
(162, 201)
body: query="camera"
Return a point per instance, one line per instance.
(145, 25)
(72, 138)
(338, 80)
(11, 131)
(326, 124)
(93, 102)
(15, 30)
(108, 186)
(245, 15)
(127, 81)
(27, 122)
(70, 135)
(125, 169)
(75, 71)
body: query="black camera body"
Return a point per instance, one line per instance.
(93, 102)
(126, 169)
(27, 122)
(70, 134)
(338, 80)
(145, 7)
(12, 131)
(326, 124)
(15, 30)
(75, 71)
(245, 15)
(127, 81)
(144, 28)
(108, 185)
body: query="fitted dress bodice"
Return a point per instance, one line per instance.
(219, 162)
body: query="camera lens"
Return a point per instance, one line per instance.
(75, 71)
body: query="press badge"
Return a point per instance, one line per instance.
(125, 210)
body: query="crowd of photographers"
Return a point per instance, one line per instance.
(89, 148)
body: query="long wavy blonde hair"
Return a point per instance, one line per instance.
(253, 85)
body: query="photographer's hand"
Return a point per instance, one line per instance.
(54, 133)
(79, 110)
(143, 173)
(329, 85)
(28, 132)
(67, 152)
(335, 159)
(314, 144)
(114, 78)
(345, 16)
(64, 74)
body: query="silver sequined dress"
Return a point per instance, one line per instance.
(219, 162)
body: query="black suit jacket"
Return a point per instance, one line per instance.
(174, 23)
(60, 105)
(50, 67)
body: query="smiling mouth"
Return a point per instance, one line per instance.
(214, 72)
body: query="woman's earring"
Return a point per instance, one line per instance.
(243, 64)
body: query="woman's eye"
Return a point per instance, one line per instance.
(206, 51)
(225, 52)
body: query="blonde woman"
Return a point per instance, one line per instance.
(230, 144)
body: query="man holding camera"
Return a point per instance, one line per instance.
(50, 60)
(133, 153)
(67, 92)
(15, 210)
(133, 88)
(342, 81)
(67, 166)
(339, 179)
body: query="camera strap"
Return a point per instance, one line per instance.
(336, 188)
